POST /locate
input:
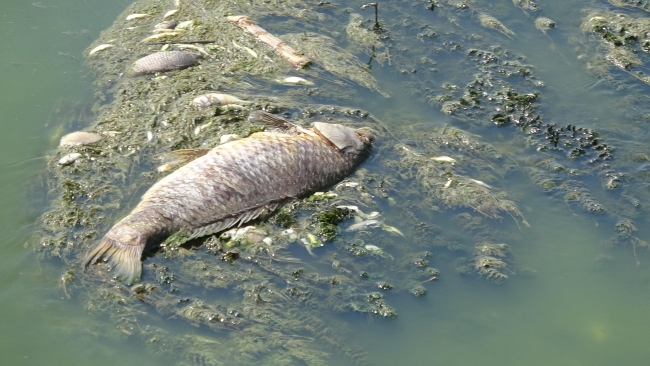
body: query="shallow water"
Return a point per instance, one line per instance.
(585, 306)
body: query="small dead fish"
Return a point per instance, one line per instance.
(207, 100)
(164, 61)
(79, 138)
(69, 159)
(170, 13)
(162, 35)
(250, 51)
(185, 25)
(99, 48)
(166, 24)
(482, 184)
(231, 185)
(200, 50)
(366, 224)
(443, 159)
(136, 16)
(294, 80)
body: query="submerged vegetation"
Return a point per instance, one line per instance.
(271, 292)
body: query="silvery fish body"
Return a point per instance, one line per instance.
(164, 61)
(231, 184)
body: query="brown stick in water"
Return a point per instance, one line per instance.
(274, 42)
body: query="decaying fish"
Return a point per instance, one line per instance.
(232, 184)
(164, 61)
(79, 138)
(209, 99)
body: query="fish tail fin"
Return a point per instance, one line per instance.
(124, 260)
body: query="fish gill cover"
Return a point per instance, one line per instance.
(266, 293)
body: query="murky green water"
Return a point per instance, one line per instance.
(586, 304)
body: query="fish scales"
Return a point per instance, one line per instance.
(163, 61)
(233, 183)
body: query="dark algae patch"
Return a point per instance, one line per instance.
(430, 196)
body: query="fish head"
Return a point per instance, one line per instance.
(346, 139)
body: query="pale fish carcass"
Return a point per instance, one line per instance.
(232, 184)
(209, 99)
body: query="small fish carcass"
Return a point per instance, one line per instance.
(232, 184)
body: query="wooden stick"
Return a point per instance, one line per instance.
(274, 42)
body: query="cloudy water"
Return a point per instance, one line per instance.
(571, 289)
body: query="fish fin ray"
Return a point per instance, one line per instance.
(182, 156)
(272, 120)
(123, 260)
(238, 220)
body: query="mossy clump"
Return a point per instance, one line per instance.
(327, 221)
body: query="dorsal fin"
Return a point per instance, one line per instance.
(182, 156)
(269, 119)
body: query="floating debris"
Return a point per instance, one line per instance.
(163, 34)
(340, 62)
(166, 24)
(187, 24)
(526, 5)
(294, 80)
(69, 159)
(276, 43)
(444, 159)
(164, 61)
(491, 22)
(543, 24)
(210, 99)
(170, 13)
(250, 51)
(372, 224)
(79, 138)
(243, 236)
(136, 16)
(199, 49)
(99, 48)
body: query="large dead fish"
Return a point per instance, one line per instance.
(163, 61)
(231, 184)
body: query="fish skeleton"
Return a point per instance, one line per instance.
(232, 184)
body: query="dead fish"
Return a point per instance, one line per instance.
(69, 159)
(294, 80)
(79, 138)
(363, 225)
(206, 100)
(164, 34)
(164, 61)
(188, 24)
(99, 48)
(166, 24)
(232, 184)
(170, 13)
(136, 16)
